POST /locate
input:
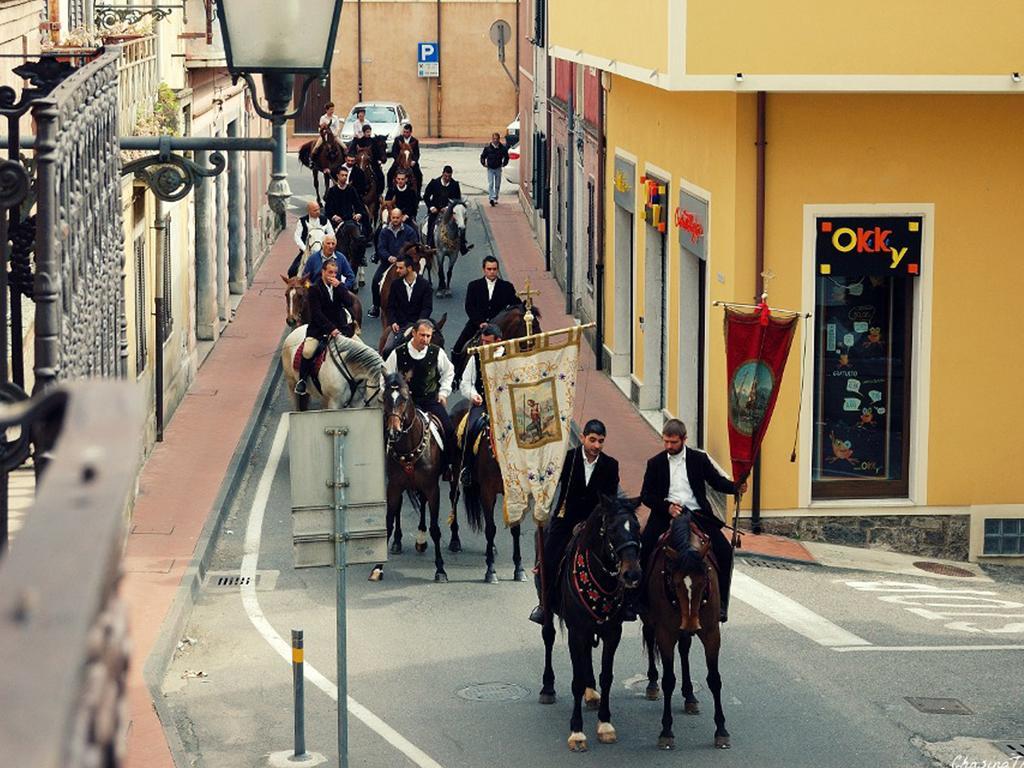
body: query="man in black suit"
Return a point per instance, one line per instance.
(675, 482)
(404, 196)
(437, 195)
(485, 298)
(344, 203)
(411, 298)
(408, 142)
(356, 177)
(328, 300)
(587, 474)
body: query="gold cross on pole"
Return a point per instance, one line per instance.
(767, 276)
(527, 297)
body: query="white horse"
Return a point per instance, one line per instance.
(448, 233)
(350, 376)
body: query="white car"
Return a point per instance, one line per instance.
(512, 132)
(512, 169)
(385, 117)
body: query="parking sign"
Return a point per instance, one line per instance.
(428, 59)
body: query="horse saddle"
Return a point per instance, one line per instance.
(686, 548)
(472, 435)
(318, 361)
(435, 428)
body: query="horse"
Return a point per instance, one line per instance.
(413, 465)
(296, 299)
(350, 376)
(425, 255)
(353, 242)
(667, 626)
(448, 233)
(324, 155)
(512, 324)
(367, 162)
(600, 563)
(403, 162)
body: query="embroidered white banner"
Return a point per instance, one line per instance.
(531, 392)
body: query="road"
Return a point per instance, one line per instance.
(817, 663)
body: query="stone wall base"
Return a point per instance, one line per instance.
(946, 537)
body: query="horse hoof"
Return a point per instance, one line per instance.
(591, 698)
(377, 573)
(520, 574)
(652, 693)
(666, 742)
(606, 733)
(722, 742)
(691, 708)
(455, 545)
(577, 742)
(396, 548)
(421, 547)
(441, 577)
(546, 698)
(491, 577)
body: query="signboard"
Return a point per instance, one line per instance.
(362, 499)
(861, 246)
(691, 219)
(623, 182)
(428, 59)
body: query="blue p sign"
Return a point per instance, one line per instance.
(427, 53)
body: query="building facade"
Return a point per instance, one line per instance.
(871, 183)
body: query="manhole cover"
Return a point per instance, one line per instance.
(938, 706)
(492, 692)
(1011, 748)
(780, 565)
(942, 569)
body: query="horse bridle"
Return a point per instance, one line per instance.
(351, 380)
(409, 460)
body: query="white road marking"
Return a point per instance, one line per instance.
(250, 558)
(931, 648)
(792, 614)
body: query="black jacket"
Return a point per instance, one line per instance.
(407, 200)
(414, 144)
(357, 179)
(480, 309)
(579, 498)
(438, 196)
(325, 314)
(345, 203)
(375, 143)
(494, 156)
(699, 470)
(404, 311)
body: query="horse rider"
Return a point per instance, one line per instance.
(587, 474)
(485, 298)
(390, 241)
(438, 194)
(404, 196)
(494, 158)
(377, 152)
(356, 177)
(345, 204)
(360, 123)
(675, 482)
(315, 263)
(328, 301)
(413, 144)
(411, 298)
(429, 373)
(331, 122)
(472, 387)
(310, 231)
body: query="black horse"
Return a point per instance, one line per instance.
(600, 563)
(352, 242)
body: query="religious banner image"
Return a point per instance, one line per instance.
(756, 347)
(530, 397)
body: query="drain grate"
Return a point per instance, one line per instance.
(938, 706)
(942, 569)
(492, 692)
(1014, 748)
(226, 581)
(233, 581)
(779, 565)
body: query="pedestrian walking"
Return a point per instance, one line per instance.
(494, 158)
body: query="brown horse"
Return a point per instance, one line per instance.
(324, 155)
(668, 626)
(510, 322)
(371, 199)
(413, 466)
(296, 298)
(403, 162)
(425, 256)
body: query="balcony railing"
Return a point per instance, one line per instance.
(138, 81)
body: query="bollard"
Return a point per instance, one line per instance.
(298, 685)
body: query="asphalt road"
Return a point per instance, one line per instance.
(817, 663)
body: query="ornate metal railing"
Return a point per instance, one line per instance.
(81, 328)
(139, 81)
(63, 634)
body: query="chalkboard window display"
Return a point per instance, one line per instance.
(861, 393)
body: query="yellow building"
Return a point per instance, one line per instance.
(878, 129)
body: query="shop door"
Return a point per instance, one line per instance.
(652, 395)
(692, 311)
(308, 119)
(622, 362)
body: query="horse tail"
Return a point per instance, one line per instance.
(474, 509)
(304, 152)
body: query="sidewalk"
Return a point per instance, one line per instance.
(182, 479)
(631, 439)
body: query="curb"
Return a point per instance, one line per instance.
(155, 666)
(746, 554)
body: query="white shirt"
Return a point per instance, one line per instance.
(357, 127)
(490, 287)
(408, 291)
(444, 367)
(588, 467)
(679, 490)
(314, 231)
(335, 123)
(467, 387)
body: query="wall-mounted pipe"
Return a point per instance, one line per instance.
(762, 115)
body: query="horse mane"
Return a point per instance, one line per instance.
(360, 354)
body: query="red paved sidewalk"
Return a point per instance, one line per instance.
(631, 438)
(180, 483)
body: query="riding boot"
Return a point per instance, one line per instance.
(305, 370)
(463, 248)
(724, 582)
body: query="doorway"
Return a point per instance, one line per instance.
(622, 359)
(652, 393)
(308, 120)
(692, 331)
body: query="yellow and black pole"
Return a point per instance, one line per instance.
(299, 687)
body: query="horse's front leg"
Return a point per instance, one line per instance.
(394, 518)
(712, 639)
(666, 639)
(517, 553)
(605, 730)
(652, 691)
(421, 532)
(690, 704)
(434, 501)
(487, 499)
(547, 632)
(582, 671)
(455, 543)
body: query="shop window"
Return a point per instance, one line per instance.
(1004, 537)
